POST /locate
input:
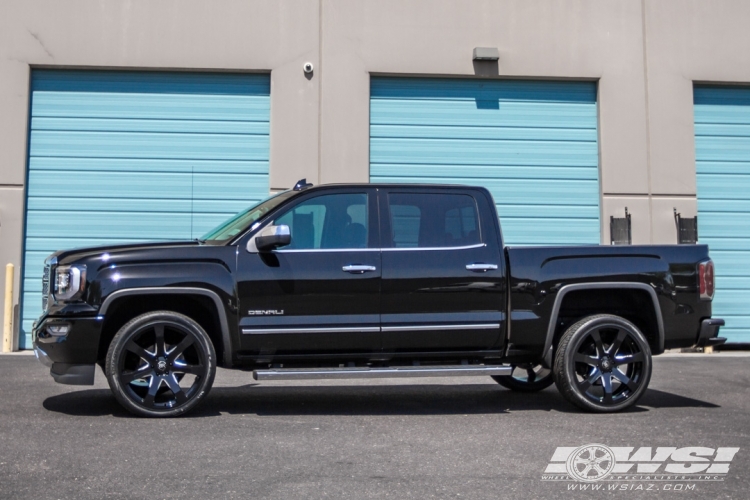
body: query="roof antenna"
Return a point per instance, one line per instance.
(302, 184)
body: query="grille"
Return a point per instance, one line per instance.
(45, 287)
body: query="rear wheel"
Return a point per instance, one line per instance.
(160, 364)
(526, 377)
(602, 364)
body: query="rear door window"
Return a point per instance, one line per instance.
(433, 220)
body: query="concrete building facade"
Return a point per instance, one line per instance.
(644, 56)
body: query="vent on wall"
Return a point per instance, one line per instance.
(687, 228)
(619, 229)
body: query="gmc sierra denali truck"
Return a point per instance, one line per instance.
(342, 281)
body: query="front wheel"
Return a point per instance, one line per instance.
(602, 364)
(160, 364)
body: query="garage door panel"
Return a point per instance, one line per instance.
(730, 262)
(725, 223)
(723, 187)
(722, 130)
(150, 125)
(482, 133)
(448, 88)
(145, 106)
(481, 172)
(145, 225)
(65, 166)
(120, 157)
(472, 152)
(555, 116)
(721, 148)
(148, 145)
(532, 144)
(111, 184)
(578, 231)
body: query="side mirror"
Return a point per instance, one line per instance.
(273, 237)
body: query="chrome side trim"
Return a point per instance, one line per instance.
(396, 372)
(327, 250)
(265, 331)
(415, 249)
(421, 328)
(225, 337)
(600, 286)
(371, 329)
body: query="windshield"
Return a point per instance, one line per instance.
(243, 220)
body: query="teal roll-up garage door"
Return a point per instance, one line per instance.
(133, 156)
(533, 144)
(722, 153)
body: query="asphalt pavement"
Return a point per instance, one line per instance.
(408, 438)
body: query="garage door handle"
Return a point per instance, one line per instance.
(480, 267)
(358, 269)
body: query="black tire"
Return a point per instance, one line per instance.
(602, 364)
(160, 364)
(526, 377)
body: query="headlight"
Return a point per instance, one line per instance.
(70, 282)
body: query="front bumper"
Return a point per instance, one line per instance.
(709, 332)
(72, 357)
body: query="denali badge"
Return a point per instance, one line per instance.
(266, 312)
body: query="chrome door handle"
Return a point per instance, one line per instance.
(358, 269)
(479, 267)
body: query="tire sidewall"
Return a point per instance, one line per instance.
(132, 328)
(564, 366)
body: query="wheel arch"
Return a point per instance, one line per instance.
(202, 305)
(615, 289)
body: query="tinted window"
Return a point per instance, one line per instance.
(328, 221)
(433, 220)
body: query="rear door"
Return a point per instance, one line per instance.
(443, 282)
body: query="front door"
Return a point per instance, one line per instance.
(443, 274)
(321, 293)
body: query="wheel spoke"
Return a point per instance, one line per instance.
(583, 358)
(621, 335)
(160, 348)
(128, 377)
(153, 387)
(625, 359)
(598, 342)
(595, 375)
(185, 368)
(174, 386)
(139, 351)
(624, 379)
(531, 374)
(607, 385)
(180, 348)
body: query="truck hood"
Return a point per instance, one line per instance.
(69, 256)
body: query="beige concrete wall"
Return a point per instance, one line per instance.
(644, 54)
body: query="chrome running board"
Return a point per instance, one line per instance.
(387, 372)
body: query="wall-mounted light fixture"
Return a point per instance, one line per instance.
(486, 54)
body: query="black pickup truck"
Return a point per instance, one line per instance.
(356, 281)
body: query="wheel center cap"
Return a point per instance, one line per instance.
(161, 366)
(606, 364)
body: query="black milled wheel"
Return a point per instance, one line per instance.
(160, 364)
(526, 377)
(602, 364)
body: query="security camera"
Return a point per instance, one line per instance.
(307, 67)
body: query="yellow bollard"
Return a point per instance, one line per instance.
(8, 318)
